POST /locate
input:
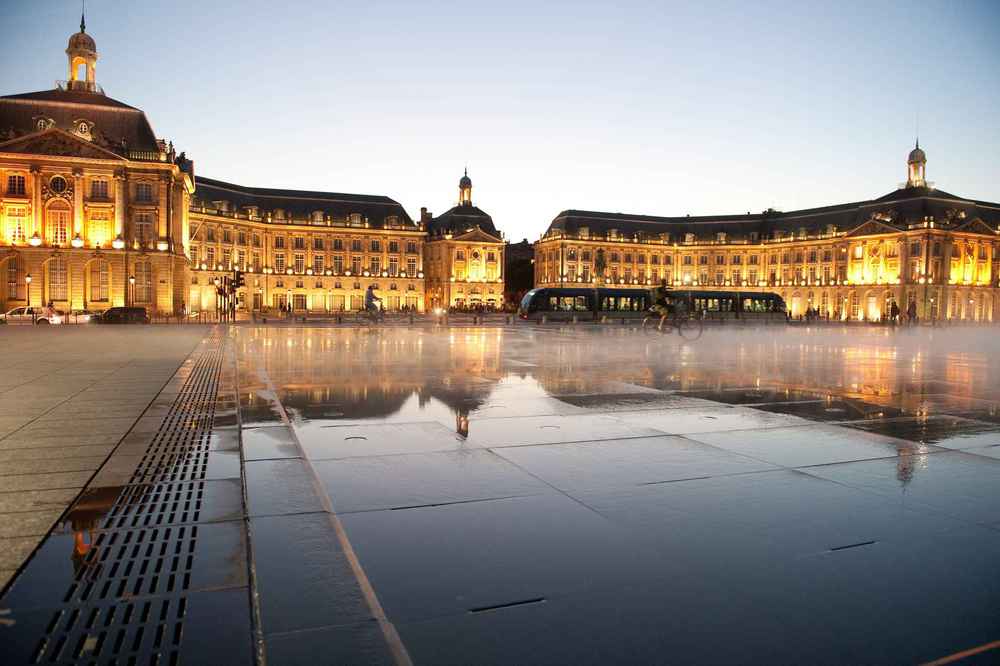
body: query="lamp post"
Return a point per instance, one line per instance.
(130, 292)
(27, 293)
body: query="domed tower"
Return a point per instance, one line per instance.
(465, 189)
(916, 165)
(81, 52)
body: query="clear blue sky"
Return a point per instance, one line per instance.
(646, 107)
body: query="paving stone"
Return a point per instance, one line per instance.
(31, 523)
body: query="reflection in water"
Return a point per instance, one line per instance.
(854, 374)
(84, 519)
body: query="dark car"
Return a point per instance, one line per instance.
(124, 316)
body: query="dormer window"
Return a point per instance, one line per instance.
(392, 221)
(317, 217)
(721, 237)
(43, 124)
(584, 232)
(355, 218)
(83, 129)
(279, 213)
(689, 238)
(251, 211)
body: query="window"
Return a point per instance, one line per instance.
(15, 185)
(256, 262)
(753, 278)
(703, 260)
(299, 243)
(279, 263)
(144, 227)
(317, 243)
(227, 236)
(100, 227)
(99, 189)
(812, 256)
(754, 259)
(356, 265)
(411, 267)
(687, 260)
(210, 257)
(655, 260)
(256, 240)
(460, 255)
(317, 263)
(411, 247)
(492, 256)
(13, 272)
(356, 245)
(58, 279)
(828, 254)
(241, 238)
(375, 267)
(915, 249)
(720, 260)
(737, 259)
(393, 246)
(210, 234)
(736, 276)
(376, 245)
(241, 259)
(628, 258)
(393, 266)
(338, 244)
(300, 263)
(99, 281)
(143, 282)
(338, 264)
(279, 242)
(16, 221)
(227, 258)
(299, 301)
(58, 224)
(144, 192)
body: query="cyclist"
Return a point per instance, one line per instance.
(370, 300)
(661, 301)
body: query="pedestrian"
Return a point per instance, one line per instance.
(911, 313)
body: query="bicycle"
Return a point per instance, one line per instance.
(370, 317)
(688, 326)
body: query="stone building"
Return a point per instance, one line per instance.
(464, 255)
(318, 251)
(93, 207)
(848, 261)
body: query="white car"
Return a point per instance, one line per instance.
(32, 315)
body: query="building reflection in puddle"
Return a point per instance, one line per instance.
(399, 375)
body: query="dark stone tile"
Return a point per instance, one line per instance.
(269, 443)
(304, 579)
(359, 643)
(217, 628)
(223, 465)
(220, 556)
(277, 487)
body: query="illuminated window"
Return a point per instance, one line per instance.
(100, 227)
(144, 227)
(411, 247)
(99, 283)
(720, 260)
(256, 240)
(58, 279)
(317, 243)
(376, 245)
(210, 257)
(300, 263)
(375, 266)
(210, 234)
(279, 242)
(143, 282)
(279, 263)
(227, 236)
(338, 263)
(241, 238)
(144, 192)
(299, 243)
(227, 257)
(356, 245)
(58, 224)
(393, 266)
(14, 282)
(99, 189)
(16, 224)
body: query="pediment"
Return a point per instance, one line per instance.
(58, 143)
(976, 226)
(477, 235)
(873, 228)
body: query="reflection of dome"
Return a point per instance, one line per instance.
(81, 41)
(916, 155)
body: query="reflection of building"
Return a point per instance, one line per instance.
(318, 251)
(89, 198)
(464, 255)
(916, 244)
(518, 272)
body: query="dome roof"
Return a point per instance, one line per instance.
(916, 155)
(81, 41)
(465, 180)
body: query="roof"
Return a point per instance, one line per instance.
(899, 207)
(460, 219)
(113, 121)
(302, 203)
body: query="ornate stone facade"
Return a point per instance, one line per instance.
(917, 244)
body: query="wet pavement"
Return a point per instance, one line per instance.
(549, 495)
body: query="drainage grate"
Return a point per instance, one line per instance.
(127, 601)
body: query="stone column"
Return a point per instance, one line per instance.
(35, 223)
(78, 184)
(121, 186)
(163, 191)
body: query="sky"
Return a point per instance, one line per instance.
(655, 108)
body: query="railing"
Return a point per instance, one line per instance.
(85, 86)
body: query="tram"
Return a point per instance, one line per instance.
(562, 304)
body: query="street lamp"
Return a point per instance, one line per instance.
(27, 293)
(131, 289)
(77, 242)
(118, 243)
(35, 240)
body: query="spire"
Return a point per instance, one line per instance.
(83, 19)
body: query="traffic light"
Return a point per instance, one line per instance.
(239, 282)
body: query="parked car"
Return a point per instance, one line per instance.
(32, 315)
(123, 316)
(83, 316)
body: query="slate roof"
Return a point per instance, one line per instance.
(302, 203)
(113, 121)
(904, 206)
(460, 219)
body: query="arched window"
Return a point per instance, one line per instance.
(99, 281)
(143, 282)
(58, 279)
(58, 223)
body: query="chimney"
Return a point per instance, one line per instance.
(425, 215)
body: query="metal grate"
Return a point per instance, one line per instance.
(127, 601)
